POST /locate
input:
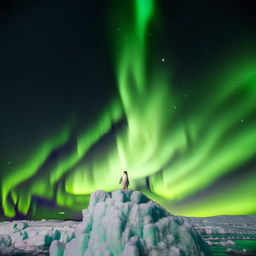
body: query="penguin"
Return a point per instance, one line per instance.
(124, 180)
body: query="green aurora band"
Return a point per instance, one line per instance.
(180, 150)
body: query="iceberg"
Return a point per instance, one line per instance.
(127, 223)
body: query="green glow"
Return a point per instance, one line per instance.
(238, 200)
(144, 11)
(182, 146)
(16, 177)
(216, 153)
(24, 201)
(87, 139)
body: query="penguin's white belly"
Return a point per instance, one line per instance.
(124, 180)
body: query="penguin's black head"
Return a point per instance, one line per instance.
(125, 171)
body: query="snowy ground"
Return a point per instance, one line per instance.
(144, 228)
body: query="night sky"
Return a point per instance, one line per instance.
(163, 89)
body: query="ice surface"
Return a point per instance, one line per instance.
(223, 243)
(233, 252)
(57, 248)
(128, 223)
(227, 219)
(232, 235)
(34, 237)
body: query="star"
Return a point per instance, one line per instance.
(163, 59)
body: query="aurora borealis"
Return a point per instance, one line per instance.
(138, 90)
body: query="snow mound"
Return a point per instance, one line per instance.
(127, 223)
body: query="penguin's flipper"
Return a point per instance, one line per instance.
(120, 181)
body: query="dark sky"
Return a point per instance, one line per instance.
(56, 60)
(54, 63)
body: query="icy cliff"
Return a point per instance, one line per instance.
(127, 223)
